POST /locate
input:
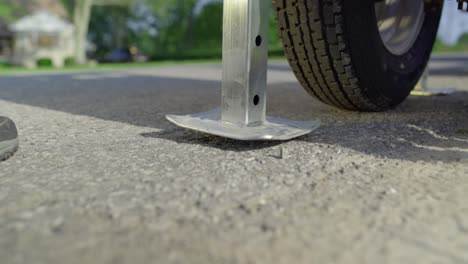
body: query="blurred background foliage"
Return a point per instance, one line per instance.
(177, 29)
(162, 29)
(9, 12)
(159, 29)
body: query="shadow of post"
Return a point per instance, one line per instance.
(421, 129)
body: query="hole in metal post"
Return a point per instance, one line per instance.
(256, 100)
(258, 40)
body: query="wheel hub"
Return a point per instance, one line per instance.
(399, 23)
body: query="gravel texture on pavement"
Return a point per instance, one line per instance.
(102, 177)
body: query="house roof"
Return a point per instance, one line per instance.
(41, 21)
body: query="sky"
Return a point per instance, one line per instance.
(203, 3)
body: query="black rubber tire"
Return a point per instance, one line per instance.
(337, 54)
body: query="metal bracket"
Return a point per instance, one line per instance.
(242, 115)
(422, 88)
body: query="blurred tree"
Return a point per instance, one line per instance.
(11, 10)
(81, 15)
(191, 27)
(6, 11)
(208, 27)
(176, 18)
(81, 12)
(164, 29)
(108, 28)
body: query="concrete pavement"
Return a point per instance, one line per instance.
(102, 177)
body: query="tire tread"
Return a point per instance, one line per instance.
(316, 47)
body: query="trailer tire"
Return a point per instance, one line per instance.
(338, 54)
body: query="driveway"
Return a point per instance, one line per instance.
(102, 177)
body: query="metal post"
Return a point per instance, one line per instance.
(245, 59)
(242, 114)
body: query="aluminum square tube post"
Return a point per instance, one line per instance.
(242, 114)
(245, 58)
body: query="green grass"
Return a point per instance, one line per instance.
(47, 68)
(9, 69)
(439, 47)
(462, 46)
(5, 11)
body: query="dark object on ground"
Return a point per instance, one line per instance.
(118, 56)
(9, 141)
(348, 55)
(125, 56)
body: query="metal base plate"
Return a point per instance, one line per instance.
(272, 129)
(433, 92)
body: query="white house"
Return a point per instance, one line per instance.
(42, 35)
(454, 23)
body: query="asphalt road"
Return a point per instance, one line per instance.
(102, 177)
